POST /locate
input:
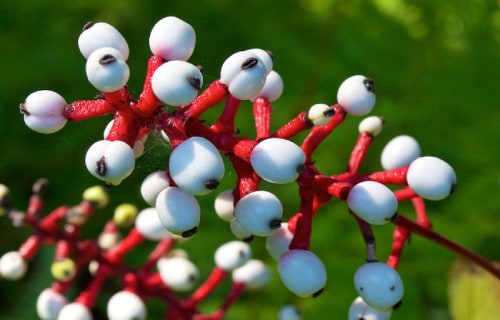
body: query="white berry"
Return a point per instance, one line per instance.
(356, 95)
(126, 305)
(224, 205)
(244, 74)
(372, 125)
(13, 266)
(196, 166)
(75, 311)
(399, 152)
(273, 87)
(302, 272)
(49, 303)
(266, 58)
(107, 70)
(178, 211)
(379, 285)
(254, 274)
(172, 39)
(259, 213)
(176, 83)
(359, 310)
(149, 225)
(320, 114)
(239, 232)
(279, 241)
(152, 185)
(373, 202)
(43, 111)
(431, 178)
(99, 35)
(178, 273)
(232, 255)
(110, 161)
(277, 160)
(289, 312)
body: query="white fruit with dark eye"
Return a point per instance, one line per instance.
(356, 95)
(372, 125)
(399, 152)
(178, 273)
(244, 74)
(277, 160)
(152, 185)
(107, 70)
(302, 272)
(254, 274)
(126, 305)
(320, 114)
(264, 56)
(359, 310)
(178, 211)
(373, 202)
(176, 82)
(232, 255)
(431, 178)
(172, 39)
(13, 266)
(279, 241)
(259, 213)
(99, 35)
(196, 166)
(273, 87)
(149, 225)
(379, 285)
(110, 161)
(43, 111)
(49, 303)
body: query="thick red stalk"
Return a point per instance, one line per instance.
(262, 116)
(213, 95)
(215, 279)
(359, 152)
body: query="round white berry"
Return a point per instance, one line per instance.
(152, 185)
(239, 232)
(196, 166)
(43, 111)
(178, 211)
(289, 312)
(277, 160)
(399, 152)
(75, 311)
(372, 125)
(49, 303)
(110, 161)
(279, 241)
(359, 310)
(302, 272)
(224, 205)
(99, 35)
(178, 273)
(254, 274)
(273, 87)
(176, 83)
(265, 56)
(107, 70)
(149, 225)
(13, 266)
(431, 178)
(379, 285)
(259, 213)
(356, 95)
(244, 74)
(373, 202)
(320, 114)
(126, 305)
(172, 39)
(232, 255)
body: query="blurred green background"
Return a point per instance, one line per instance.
(436, 70)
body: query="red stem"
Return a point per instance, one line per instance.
(359, 152)
(262, 115)
(213, 95)
(293, 127)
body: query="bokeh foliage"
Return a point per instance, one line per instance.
(436, 69)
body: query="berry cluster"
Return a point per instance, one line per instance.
(196, 167)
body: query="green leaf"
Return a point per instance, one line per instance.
(473, 292)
